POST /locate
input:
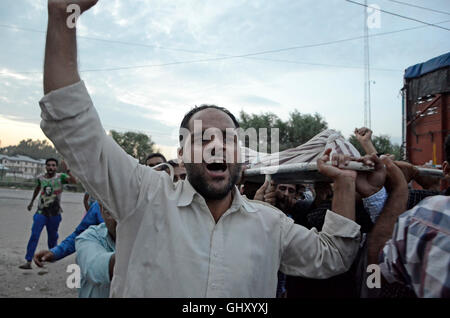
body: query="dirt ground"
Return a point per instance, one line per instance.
(15, 230)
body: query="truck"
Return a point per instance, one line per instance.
(426, 111)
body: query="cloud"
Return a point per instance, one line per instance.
(256, 100)
(154, 99)
(13, 130)
(6, 73)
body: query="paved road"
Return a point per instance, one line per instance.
(15, 229)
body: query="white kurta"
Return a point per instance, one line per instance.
(168, 244)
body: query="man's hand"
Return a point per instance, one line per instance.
(335, 171)
(43, 256)
(344, 183)
(259, 195)
(63, 4)
(30, 206)
(364, 137)
(60, 63)
(363, 134)
(368, 183)
(266, 193)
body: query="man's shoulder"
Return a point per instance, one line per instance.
(94, 232)
(431, 210)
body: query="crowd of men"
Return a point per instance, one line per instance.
(208, 232)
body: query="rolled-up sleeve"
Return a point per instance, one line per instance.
(324, 254)
(71, 122)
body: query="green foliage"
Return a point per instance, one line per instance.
(302, 128)
(35, 149)
(138, 145)
(298, 129)
(382, 144)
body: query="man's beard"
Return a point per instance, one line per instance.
(196, 177)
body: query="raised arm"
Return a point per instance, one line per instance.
(344, 183)
(395, 205)
(71, 122)
(330, 252)
(60, 66)
(69, 177)
(364, 136)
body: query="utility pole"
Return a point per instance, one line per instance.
(367, 111)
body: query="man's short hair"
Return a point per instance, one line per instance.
(447, 148)
(196, 109)
(51, 159)
(174, 163)
(156, 154)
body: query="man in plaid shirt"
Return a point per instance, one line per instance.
(418, 254)
(413, 248)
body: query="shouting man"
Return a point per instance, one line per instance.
(199, 237)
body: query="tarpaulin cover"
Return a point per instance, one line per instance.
(428, 66)
(305, 153)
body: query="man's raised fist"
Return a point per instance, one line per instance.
(63, 5)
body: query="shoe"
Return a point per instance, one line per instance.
(27, 265)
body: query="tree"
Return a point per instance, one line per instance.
(35, 149)
(302, 128)
(382, 144)
(264, 120)
(138, 145)
(298, 129)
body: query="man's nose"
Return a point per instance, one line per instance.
(216, 144)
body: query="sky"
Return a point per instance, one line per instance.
(148, 62)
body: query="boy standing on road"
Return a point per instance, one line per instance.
(50, 186)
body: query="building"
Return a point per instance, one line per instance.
(21, 166)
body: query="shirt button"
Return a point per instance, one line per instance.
(213, 286)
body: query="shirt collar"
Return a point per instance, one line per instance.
(188, 192)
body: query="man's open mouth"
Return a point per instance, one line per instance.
(216, 167)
